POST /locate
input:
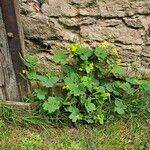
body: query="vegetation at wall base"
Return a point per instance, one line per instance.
(36, 130)
(93, 89)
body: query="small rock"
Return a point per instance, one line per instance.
(135, 23)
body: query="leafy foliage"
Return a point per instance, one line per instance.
(91, 79)
(118, 70)
(48, 81)
(100, 52)
(119, 107)
(60, 58)
(52, 104)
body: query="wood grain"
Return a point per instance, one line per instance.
(8, 85)
(12, 85)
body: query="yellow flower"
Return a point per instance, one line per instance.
(115, 51)
(119, 61)
(106, 94)
(104, 44)
(66, 87)
(73, 48)
(24, 71)
(91, 65)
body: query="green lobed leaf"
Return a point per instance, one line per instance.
(127, 88)
(53, 104)
(32, 75)
(30, 61)
(101, 89)
(84, 52)
(133, 81)
(90, 107)
(41, 93)
(87, 81)
(48, 81)
(145, 85)
(112, 89)
(100, 52)
(118, 70)
(119, 110)
(120, 107)
(75, 113)
(74, 84)
(61, 58)
(76, 90)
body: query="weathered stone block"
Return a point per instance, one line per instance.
(121, 8)
(40, 29)
(56, 8)
(120, 34)
(74, 22)
(140, 7)
(146, 52)
(90, 11)
(133, 22)
(113, 8)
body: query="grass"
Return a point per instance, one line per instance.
(118, 135)
(129, 132)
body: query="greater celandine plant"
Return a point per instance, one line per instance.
(90, 78)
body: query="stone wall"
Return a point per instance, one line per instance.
(52, 24)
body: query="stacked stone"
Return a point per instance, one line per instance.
(52, 24)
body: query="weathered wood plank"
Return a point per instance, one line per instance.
(17, 105)
(8, 85)
(12, 85)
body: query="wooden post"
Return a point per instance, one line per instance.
(12, 86)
